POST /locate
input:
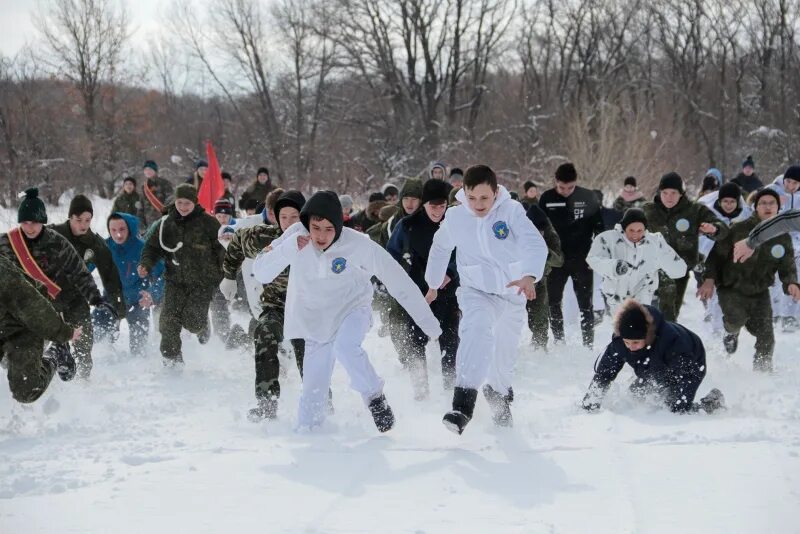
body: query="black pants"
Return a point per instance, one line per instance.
(583, 282)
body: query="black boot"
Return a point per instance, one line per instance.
(267, 409)
(500, 405)
(204, 335)
(60, 355)
(731, 342)
(463, 407)
(382, 413)
(712, 402)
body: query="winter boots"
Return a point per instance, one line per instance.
(382, 413)
(463, 407)
(712, 402)
(267, 409)
(60, 356)
(731, 342)
(500, 405)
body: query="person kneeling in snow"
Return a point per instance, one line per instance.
(669, 360)
(329, 303)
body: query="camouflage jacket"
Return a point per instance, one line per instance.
(555, 258)
(130, 203)
(247, 243)
(61, 263)
(756, 274)
(24, 306)
(164, 191)
(680, 226)
(95, 253)
(189, 247)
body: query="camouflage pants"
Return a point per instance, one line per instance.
(79, 315)
(28, 374)
(184, 307)
(539, 315)
(753, 312)
(220, 315)
(268, 335)
(670, 295)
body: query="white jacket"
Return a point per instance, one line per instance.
(491, 251)
(644, 258)
(325, 286)
(788, 201)
(706, 244)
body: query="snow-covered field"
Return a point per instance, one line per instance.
(140, 449)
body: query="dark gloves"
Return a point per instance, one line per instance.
(100, 302)
(622, 267)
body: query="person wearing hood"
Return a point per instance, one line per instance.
(390, 193)
(438, 171)
(499, 258)
(329, 303)
(370, 216)
(743, 288)
(390, 215)
(668, 360)
(258, 190)
(157, 194)
(628, 258)
(410, 244)
(681, 222)
(748, 180)
(538, 308)
(187, 241)
(577, 216)
(140, 294)
(629, 196)
(128, 200)
(712, 181)
(248, 243)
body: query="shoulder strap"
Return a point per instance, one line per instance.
(152, 198)
(29, 264)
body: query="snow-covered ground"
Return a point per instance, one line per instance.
(140, 449)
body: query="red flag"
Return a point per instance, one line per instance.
(212, 187)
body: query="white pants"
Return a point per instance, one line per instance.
(318, 367)
(489, 334)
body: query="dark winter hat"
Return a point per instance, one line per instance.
(223, 206)
(32, 209)
(766, 191)
(262, 170)
(630, 180)
(150, 164)
(435, 192)
(566, 173)
(376, 196)
(710, 183)
(80, 204)
(187, 192)
(748, 162)
(226, 176)
(632, 323)
(792, 173)
(633, 215)
(200, 163)
(671, 180)
(730, 190)
(291, 198)
(528, 184)
(250, 204)
(411, 188)
(324, 204)
(129, 179)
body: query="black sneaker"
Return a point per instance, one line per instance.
(712, 402)
(731, 342)
(267, 409)
(463, 407)
(382, 413)
(500, 405)
(60, 354)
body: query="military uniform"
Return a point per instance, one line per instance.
(743, 288)
(27, 319)
(163, 191)
(193, 257)
(538, 309)
(680, 226)
(59, 260)
(130, 203)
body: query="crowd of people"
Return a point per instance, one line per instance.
(454, 258)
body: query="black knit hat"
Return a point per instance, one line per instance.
(633, 323)
(671, 180)
(226, 176)
(633, 215)
(200, 163)
(435, 191)
(32, 209)
(730, 190)
(792, 173)
(630, 180)
(80, 204)
(262, 170)
(150, 164)
(376, 196)
(763, 192)
(129, 179)
(223, 206)
(291, 198)
(566, 173)
(187, 192)
(528, 184)
(748, 162)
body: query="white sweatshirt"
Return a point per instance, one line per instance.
(644, 258)
(491, 251)
(325, 286)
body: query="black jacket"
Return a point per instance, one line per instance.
(576, 218)
(748, 183)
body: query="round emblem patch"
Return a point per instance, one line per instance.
(500, 229)
(338, 265)
(682, 225)
(777, 251)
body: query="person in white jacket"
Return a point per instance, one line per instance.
(329, 303)
(499, 257)
(785, 308)
(628, 259)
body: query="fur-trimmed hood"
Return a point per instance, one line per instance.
(653, 317)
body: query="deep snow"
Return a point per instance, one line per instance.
(141, 449)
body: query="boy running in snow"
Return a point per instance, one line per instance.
(329, 303)
(499, 256)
